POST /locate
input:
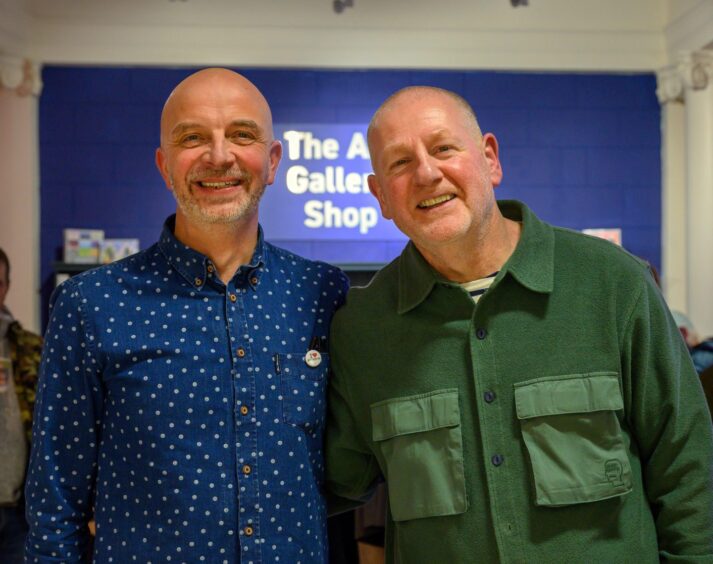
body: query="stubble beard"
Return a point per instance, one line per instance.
(241, 207)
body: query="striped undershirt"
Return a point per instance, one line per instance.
(477, 288)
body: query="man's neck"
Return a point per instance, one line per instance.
(227, 245)
(476, 257)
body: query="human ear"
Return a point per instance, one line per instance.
(275, 156)
(162, 166)
(491, 153)
(376, 189)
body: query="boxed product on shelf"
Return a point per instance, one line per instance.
(82, 246)
(115, 249)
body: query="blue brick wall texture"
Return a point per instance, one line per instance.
(583, 150)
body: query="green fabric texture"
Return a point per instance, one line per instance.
(574, 438)
(420, 436)
(581, 427)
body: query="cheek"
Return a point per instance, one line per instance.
(255, 161)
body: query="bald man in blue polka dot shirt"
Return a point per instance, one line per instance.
(182, 391)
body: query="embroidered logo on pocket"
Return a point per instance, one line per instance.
(613, 470)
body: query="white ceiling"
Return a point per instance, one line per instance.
(540, 15)
(547, 34)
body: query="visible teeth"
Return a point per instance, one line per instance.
(434, 201)
(219, 184)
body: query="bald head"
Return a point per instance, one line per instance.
(399, 100)
(206, 86)
(218, 151)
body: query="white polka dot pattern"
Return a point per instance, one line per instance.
(182, 410)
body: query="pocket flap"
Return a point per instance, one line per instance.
(414, 414)
(573, 393)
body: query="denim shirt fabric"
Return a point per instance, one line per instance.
(181, 411)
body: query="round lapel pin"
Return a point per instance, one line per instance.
(313, 358)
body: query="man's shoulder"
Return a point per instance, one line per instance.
(587, 252)
(379, 297)
(133, 264)
(292, 263)
(112, 275)
(21, 337)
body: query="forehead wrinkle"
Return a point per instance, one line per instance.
(203, 84)
(441, 98)
(398, 146)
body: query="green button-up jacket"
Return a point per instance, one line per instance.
(559, 420)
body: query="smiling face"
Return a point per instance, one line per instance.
(217, 149)
(434, 173)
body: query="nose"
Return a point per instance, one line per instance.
(219, 153)
(427, 171)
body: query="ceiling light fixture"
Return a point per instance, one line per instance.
(339, 5)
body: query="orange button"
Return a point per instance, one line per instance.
(210, 268)
(233, 298)
(198, 281)
(241, 352)
(253, 280)
(247, 469)
(248, 530)
(244, 410)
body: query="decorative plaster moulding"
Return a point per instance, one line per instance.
(694, 71)
(21, 76)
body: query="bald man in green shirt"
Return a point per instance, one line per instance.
(522, 388)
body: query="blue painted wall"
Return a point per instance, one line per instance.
(583, 150)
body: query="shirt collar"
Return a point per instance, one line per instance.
(531, 264)
(195, 267)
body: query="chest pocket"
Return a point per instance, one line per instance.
(420, 439)
(303, 389)
(572, 433)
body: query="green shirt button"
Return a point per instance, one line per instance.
(497, 459)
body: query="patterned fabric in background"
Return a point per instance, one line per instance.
(25, 352)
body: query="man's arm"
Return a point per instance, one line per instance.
(62, 472)
(669, 417)
(351, 468)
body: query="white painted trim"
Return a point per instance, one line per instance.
(691, 31)
(348, 48)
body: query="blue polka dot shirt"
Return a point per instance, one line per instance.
(184, 413)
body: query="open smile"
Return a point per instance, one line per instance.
(437, 201)
(219, 184)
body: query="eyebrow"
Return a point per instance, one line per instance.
(187, 126)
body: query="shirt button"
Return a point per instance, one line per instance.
(480, 333)
(497, 459)
(241, 352)
(248, 531)
(244, 410)
(247, 469)
(233, 298)
(210, 268)
(489, 396)
(253, 280)
(198, 282)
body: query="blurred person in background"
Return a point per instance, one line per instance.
(19, 361)
(701, 349)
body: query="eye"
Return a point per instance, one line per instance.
(399, 163)
(242, 136)
(191, 140)
(443, 148)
